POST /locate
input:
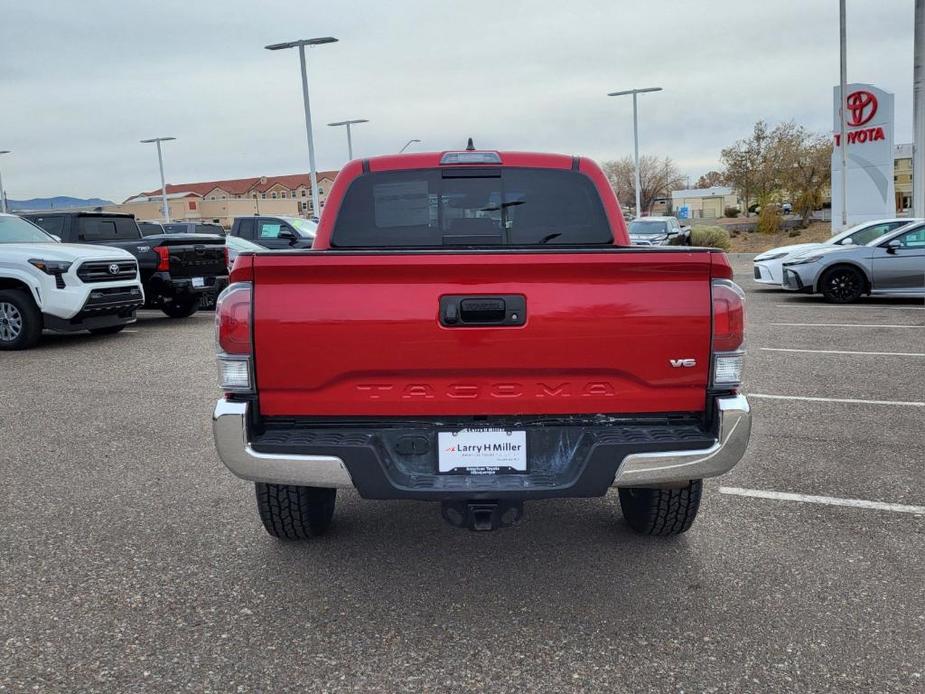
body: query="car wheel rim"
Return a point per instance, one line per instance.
(10, 322)
(843, 285)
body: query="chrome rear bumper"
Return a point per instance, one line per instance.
(229, 427)
(734, 429)
(230, 419)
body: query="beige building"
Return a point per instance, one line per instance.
(704, 203)
(221, 201)
(902, 176)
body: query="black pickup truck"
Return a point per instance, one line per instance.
(278, 232)
(176, 269)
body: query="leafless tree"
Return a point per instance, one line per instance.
(711, 179)
(657, 178)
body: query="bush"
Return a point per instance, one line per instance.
(732, 212)
(713, 237)
(769, 219)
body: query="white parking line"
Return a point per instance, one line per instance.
(765, 396)
(828, 500)
(843, 351)
(845, 325)
(806, 304)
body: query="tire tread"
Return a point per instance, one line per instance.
(661, 512)
(291, 512)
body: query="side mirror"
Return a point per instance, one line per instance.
(893, 246)
(846, 241)
(56, 237)
(288, 234)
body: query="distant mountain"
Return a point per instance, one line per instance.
(56, 203)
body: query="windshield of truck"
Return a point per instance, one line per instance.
(16, 230)
(641, 227)
(471, 207)
(304, 227)
(95, 229)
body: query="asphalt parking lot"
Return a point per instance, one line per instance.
(131, 560)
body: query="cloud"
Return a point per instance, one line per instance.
(83, 82)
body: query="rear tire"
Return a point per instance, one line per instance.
(181, 308)
(20, 320)
(843, 285)
(663, 512)
(290, 512)
(108, 330)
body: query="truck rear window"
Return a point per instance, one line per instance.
(425, 208)
(107, 229)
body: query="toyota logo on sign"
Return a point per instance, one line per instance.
(113, 269)
(861, 106)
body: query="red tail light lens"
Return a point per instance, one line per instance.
(728, 316)
(227, 261)
(163, 258)
(233, 319)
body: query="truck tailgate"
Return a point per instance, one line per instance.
(360, 334)
(193, 255)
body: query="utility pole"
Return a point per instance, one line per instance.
(918, 112)
(301, 44)
(160, 163)
(2, 194)
(348, 123)
(634, 92)
(843, 96)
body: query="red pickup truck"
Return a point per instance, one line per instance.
(474, 328)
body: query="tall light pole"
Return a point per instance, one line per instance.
(843, 96)
(348, 123)
(301, 44)
(918, 112)
(160, 164)
(2, 194)
(407, 145)
(634, 92)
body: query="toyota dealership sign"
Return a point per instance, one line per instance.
(869, 136)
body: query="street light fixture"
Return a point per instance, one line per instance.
(634, 92)
(407, 144)
(2, 194)
(348, 123)
(301, 44)
(160, 164)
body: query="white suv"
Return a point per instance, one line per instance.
(45, 284)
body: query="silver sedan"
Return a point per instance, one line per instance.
(893, 264)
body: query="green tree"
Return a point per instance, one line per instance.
(806, 168)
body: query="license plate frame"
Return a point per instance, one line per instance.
(482, 451)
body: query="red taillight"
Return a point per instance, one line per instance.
(728, 316)
(227, 261)
(163, 258)
(233, 319)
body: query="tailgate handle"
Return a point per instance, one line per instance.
(468, 311)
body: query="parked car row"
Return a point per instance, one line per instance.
(883, 257)
(72, 271)
(659, 231)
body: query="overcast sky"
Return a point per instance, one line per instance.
(82, 82)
